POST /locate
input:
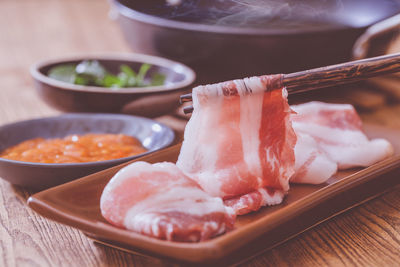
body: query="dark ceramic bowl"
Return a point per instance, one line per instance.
(229, 39)
(152, 135)
(144, 101)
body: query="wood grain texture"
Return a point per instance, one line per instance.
(328, 76)
(33, 30)
(366, 236)
(308, 80)
(341, 73)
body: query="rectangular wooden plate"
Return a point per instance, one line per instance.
(77, 204)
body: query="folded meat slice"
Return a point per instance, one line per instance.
(254, 200)
(312, 165)
(160, 201)
(239, 139)
(337, 133)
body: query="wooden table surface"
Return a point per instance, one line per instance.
(368, 235)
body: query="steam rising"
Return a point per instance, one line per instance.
(174, 2)
(259, 12)
(256, 13)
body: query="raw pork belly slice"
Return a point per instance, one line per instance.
(160, 201)
(255, 200)
(337, 133)
(239, 139)
(312, 165)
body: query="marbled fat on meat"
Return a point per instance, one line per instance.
(254, 200)
(329, 135)
(239, 140)
(158, 200)
(312, 165)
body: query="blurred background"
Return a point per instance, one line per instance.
(232, 39)
(37, 30)
(220, 40)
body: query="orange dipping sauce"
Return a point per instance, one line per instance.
(75, 148)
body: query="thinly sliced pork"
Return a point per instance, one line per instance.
(239, 139)
(158, 200)
(331, 134)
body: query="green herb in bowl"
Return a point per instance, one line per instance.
(92, 73)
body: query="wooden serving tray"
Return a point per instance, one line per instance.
(77, 204)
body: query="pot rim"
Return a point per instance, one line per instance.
(167, 23)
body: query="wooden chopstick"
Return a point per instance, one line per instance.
(343, 73)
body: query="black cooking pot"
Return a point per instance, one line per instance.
(226, 39)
